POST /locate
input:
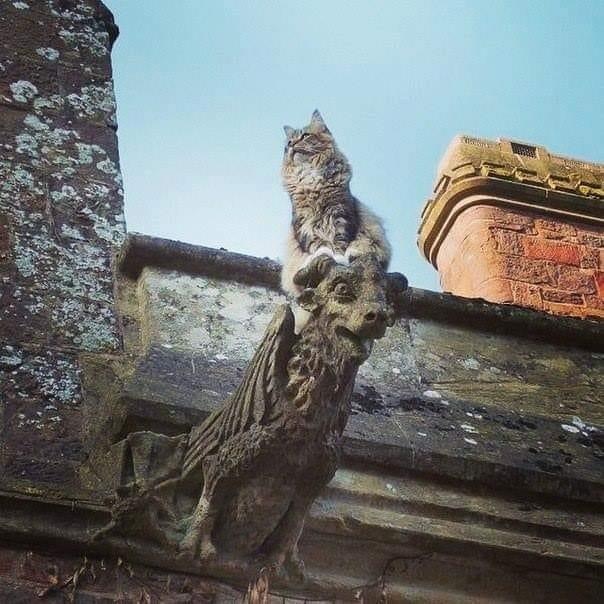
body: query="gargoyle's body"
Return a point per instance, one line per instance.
(262, 459)
(267, 454)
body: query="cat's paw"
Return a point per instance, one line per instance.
(351, 254)
(322, 251)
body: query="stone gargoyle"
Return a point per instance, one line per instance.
(239, 485)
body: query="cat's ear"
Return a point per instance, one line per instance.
(317, 123)
(288, 131)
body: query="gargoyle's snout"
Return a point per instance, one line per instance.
(374, 321)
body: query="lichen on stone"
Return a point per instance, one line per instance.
(48, 53)
(93, 100)
(96, 42)
(23, 91)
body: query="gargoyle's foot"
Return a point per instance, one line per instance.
(187, 548)
(207, 550)
(293, 566)
(194, 546)
(287, 566)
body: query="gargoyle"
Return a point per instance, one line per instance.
(255, 466)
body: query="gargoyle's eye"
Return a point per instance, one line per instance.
(342, 289)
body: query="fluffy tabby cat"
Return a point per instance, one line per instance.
(326, 217)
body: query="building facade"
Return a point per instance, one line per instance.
(472, 467)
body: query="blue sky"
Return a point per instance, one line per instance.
(203, 89)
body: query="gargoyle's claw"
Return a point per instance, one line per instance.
(207, 550)
(294, 567)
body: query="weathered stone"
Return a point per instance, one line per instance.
(475, 444)
(258, 463)
(61, 220)
(486, 226)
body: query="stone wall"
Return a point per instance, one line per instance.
(61, 217)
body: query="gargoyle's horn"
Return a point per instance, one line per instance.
(397, 285)
(312, 274)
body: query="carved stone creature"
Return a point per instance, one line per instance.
(262, 459)
(271, 449)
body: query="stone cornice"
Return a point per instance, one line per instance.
(508, 174)
(440, 213)
(142, 251)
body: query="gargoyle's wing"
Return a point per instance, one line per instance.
(252, 402)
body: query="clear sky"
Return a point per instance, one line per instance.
(204, 86)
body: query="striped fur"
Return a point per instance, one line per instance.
(326, 217)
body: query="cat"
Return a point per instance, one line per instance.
(326, 217)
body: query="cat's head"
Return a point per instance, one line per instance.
(311, 157)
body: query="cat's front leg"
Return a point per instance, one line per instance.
(339, 258)
(324, 250)
(364, 247)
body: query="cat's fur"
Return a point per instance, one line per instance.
(326, 217)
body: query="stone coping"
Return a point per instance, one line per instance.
(441, 212)
(508, 174)
(140, 251)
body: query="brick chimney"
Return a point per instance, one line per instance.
(512, 223)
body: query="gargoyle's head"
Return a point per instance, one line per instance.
(350, 305)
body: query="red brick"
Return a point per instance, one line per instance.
(527, 295)
(560, 253)
(575, 280)
(528, 258)
(536, 272)
(508, 242)
(590, 257)
(553, 295)
(554, 229)
(590, 235)
(599, 278)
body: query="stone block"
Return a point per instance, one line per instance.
(509, 242)
(560, 253)
(580, 281)
(555, 229)
(552, 295)
(526, 295)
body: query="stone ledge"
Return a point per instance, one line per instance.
(378, 517)
(140, 251)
